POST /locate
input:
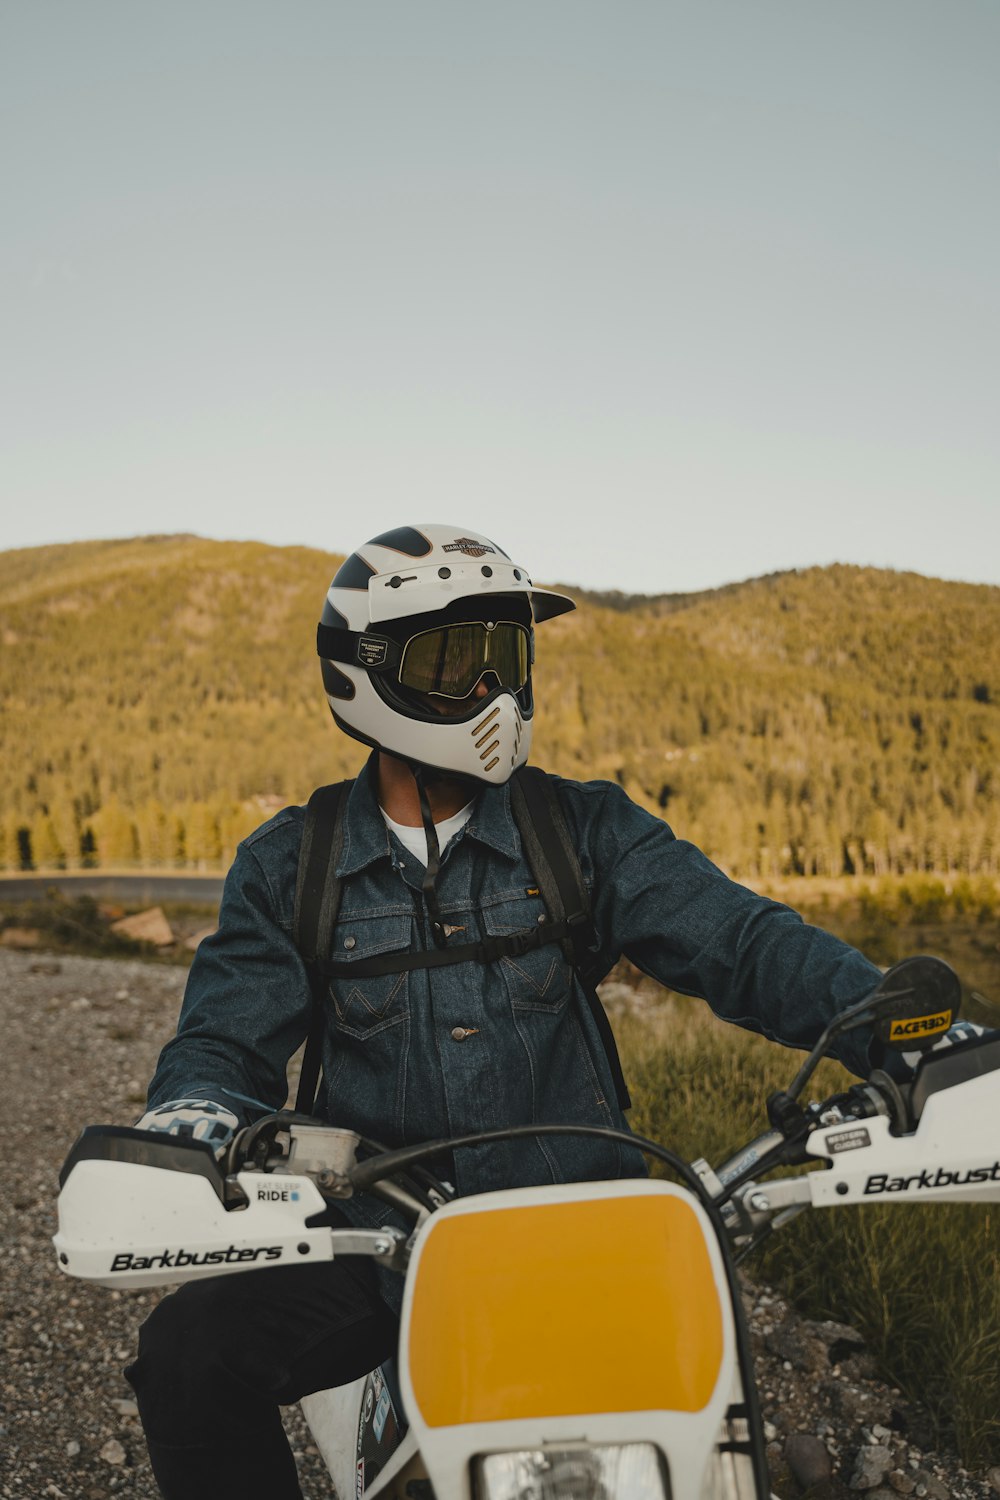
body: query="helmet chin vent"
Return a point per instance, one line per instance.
(487, 738)
(484, 729)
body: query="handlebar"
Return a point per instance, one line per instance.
(913, 1005)
(341, 1164)
(935, 1138)
(881, 1115)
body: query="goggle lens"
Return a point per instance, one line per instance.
(449, 661)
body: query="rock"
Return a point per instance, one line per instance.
(835, 1334)
(113, 1452)
(871, 1465)
(929, 1485)
(46, 968)
(126, 1408)
(20, 937)
(808, 1460)
(858, 1408)
(901, 1482)
(993, 1479)
(150, 926)
(72, 1448)
(857, 1365)
(792, 1343)
(844, 1349)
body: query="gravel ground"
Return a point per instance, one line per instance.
(80, 1040)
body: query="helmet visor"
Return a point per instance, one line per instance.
(450, 661)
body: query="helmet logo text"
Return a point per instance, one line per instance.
(468, 547)
(371, 651)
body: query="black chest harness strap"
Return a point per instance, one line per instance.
(549, 850)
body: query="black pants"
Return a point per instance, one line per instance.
(218, 1357)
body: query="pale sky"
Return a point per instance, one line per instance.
(657, 294)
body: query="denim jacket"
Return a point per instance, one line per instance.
(439, 1052)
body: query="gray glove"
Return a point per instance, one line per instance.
(902, 1065)
(192, 1120)
(956, 1036)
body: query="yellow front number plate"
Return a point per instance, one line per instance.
(599, 1305)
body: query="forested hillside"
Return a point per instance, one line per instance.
(160, 697)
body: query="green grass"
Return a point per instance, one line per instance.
(921, 1284)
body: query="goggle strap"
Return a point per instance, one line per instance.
(357, 648)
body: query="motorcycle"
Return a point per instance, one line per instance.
(605, 1356)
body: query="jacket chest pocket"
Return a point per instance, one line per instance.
(540, 979)
(369, 1003)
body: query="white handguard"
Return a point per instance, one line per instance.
(952, 1151)
(193, 1120)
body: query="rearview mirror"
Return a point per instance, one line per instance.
(913, 1004)
(916, 1003)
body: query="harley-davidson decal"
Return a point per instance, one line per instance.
(468, 547)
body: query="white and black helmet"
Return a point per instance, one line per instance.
(421, 615)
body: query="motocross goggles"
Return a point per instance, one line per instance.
(450, 660)
(444, 662)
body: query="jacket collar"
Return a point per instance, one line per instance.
(366, 837)
(492, 821)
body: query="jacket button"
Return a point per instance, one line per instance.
(349, 942)
(459, 1033)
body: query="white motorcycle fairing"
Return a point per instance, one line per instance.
(546, 1321)
(585, 1314)
(137, 1210)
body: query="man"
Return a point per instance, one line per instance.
(427, 640)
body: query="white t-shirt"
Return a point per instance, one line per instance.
(415, 839)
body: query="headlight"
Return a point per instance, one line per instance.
(633, 1471)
